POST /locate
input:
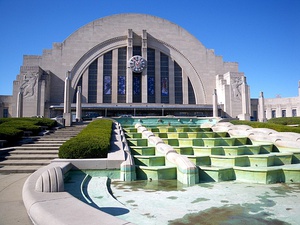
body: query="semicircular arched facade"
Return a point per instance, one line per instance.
(179, 75)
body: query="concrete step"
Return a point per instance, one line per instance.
(31, 156)
(18, 169)
(25, 162)
(44, 145)
(42, 141)
(36, 148)
(57, 138)
(34, 152)
(16, 152)
(64, 134)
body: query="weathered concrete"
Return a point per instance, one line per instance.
(12, 210)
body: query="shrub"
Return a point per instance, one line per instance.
(44, 122)
(285, 120)
(270, 125)
(10, 134)
(91, 142)
(11, 129)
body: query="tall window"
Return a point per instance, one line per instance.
(107, 73)
(92, 80)
(136, 79)
(254, 115)
(136, 50)
(5, 113)
(178, 84)
(151, 74)
(122, 62)
(273, 113)
(164, 76)
(283, 113)
(137, 86)
(192, 99)
(294, 112)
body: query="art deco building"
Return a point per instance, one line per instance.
(129, 64)
(265, 109)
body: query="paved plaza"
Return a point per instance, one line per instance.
(12, 209)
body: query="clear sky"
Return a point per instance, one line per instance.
(263, 36)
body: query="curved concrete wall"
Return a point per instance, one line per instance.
(56, 207)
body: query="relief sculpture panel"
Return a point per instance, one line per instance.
(28, 85)
(236, 88)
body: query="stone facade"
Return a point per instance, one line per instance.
(181, 73)
(263, 109)
(282, 107)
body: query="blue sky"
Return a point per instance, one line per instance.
(263, 36)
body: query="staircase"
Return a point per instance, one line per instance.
(35, 152)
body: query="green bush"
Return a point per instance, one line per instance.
(270, 125)
(91, 142)
(285, 120)
(10, 134)
(12, 129)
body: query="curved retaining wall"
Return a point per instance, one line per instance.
(47, 203)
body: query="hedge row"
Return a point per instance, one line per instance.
(12, 129)
(92, 142)
(270, 124)
(286, 120)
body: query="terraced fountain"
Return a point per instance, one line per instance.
(219, 153)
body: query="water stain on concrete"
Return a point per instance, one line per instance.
(148, 215)
(99, 197)
(247, 213)
(285, 189)
(206, 185)
(130, 201)
(226, 215)
(200, 200)
(147, 186)
(172, 197)
(224, 201)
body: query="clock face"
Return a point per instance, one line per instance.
(137, 64)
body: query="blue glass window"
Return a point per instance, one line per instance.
(122, 85)
(164, 74)
(122, 65)
(192, 99)
(151, 74)
(151, 86)
(107, 73)
(178, 84)
(136, 87)
(92, 82)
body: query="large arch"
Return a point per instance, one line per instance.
(183, 47)
(117, 42)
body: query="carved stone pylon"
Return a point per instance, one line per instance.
(67, 103)
(78, 104)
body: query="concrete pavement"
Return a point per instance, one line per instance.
(12, 209)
